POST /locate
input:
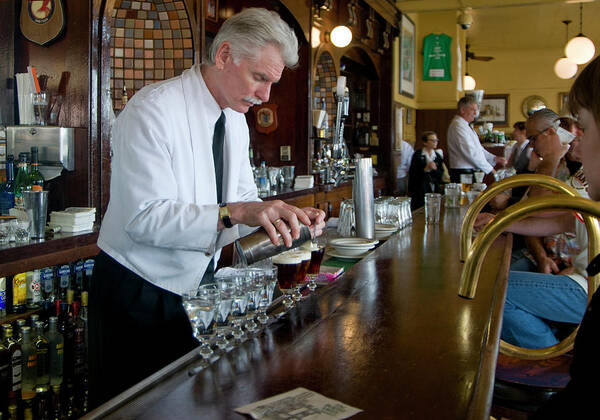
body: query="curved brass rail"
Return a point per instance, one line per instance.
(472, 267)
(498, 187)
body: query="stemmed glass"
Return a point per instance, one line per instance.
(227, 285)
(288, 266)
(239, 306)
(301, 275)
(200, 306)
(253, 277)
(317, 250)
(266, 297)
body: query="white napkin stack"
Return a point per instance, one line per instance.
(73, 219)
(304, 181)
(25, 88)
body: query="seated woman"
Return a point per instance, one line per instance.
(426, 170)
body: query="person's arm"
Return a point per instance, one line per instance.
(545, 264)
(532, 226)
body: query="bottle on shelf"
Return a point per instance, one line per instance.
(64, 280)
(56, 346)
(41, 345)
(19, 297)
(34, 289)
(36, 179)
(7, 189)
(18, 330)
(16, 364)
(30, 368)
(263, 179)
(22, 179)
(56, 402)
(3, 296)
(5, 378)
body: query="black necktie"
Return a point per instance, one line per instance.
(218, 138)
(217, 146)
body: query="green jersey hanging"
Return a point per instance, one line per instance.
(436, 57)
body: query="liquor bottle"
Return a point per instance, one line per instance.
(42, 406)
(36, 179)
(66, 328)
(125, 97)
(64, 280)
(88, 267)
(48, 287)
(43, 356)
(5, 379)
(78, 277)
(57, 412)
(56, 345)
(19, 297)
(29, 365)
(7, 189)
(263, 179)
(18, 330)
(34, 289)
(78, 343)
(3, 297)
(21, 179)
(16, 364)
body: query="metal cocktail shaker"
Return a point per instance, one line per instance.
(258, 246)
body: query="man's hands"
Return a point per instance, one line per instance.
(500, 161)
(548, 146)
(277, 216)
(431, 166)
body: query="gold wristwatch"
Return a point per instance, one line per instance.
(225, 215)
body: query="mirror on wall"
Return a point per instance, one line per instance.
(324, 86)
(531, 104)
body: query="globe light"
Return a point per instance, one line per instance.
(565, 68)
(468, 82)
(580, 49)
(315, 36)
(341, 36)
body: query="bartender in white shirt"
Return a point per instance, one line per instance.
(182, 188)
(465, 152)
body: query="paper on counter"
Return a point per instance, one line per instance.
(299, 403)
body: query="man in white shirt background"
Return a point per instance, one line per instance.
(465, 152)
(406, 154)
(181, 189)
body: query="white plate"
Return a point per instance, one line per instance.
(353, 242)
(341, 256)
(385, 228)
(382, 235)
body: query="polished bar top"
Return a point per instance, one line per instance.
(391, 337)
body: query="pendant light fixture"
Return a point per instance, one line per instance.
(580, 49)
(565, 68)
(341, 36)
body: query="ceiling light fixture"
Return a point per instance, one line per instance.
(341, 36)
(565, 68)
(580, 49)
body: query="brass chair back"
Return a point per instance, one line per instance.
(472, 266)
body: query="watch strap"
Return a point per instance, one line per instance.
(225, 215)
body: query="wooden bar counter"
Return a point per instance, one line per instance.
(391, 337)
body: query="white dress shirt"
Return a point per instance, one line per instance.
(406, 154)
(464, 148)
(161, 221)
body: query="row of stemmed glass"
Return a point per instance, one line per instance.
(228, 307)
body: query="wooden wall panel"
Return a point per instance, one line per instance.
(436, 120)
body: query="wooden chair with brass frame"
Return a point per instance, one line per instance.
(526, 378)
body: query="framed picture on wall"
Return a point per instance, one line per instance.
(494, 109)
(212, 10)
(407, 57)
(398, 126)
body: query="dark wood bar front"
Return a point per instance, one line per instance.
(391, 337)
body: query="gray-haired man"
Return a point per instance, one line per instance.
(182, 188)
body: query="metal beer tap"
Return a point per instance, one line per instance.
(339, 152)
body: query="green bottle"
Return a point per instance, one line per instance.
(21, 179)
(36, 179)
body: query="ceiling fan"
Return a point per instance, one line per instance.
(471, 56)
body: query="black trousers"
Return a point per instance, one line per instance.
(456, 173)
(136, 329)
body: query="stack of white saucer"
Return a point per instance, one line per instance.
(73, 219)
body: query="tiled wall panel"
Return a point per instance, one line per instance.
(150, 41)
